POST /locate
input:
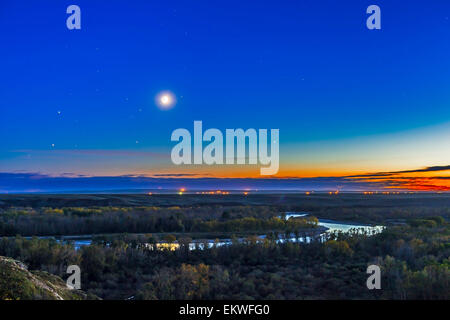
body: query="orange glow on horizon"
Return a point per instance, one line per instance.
(412, 180)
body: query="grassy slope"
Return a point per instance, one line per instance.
(17, 283)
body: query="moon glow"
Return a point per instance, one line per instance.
(165, 100)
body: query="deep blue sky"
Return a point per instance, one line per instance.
(310, 68)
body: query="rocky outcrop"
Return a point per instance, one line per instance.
(18, 283)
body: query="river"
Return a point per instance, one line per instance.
(330, 225)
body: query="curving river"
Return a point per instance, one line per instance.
(330, 225)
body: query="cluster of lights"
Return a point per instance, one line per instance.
(214, 192)
(183, 190)
(384, 192)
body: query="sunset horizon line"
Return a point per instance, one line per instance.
(425, 179)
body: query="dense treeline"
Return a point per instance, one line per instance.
(48, 221)
(388, 212)
(414, 259)
(98, 220)
(413, 252)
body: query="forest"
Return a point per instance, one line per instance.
(100, 220)
(412, 251)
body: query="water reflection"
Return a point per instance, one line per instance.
(330, 226)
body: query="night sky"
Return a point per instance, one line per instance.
(364, 109)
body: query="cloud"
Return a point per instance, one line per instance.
(30, 182)
(178, 175)
(427, 169)
(398, 179)
(17, 182)
(392, 173)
